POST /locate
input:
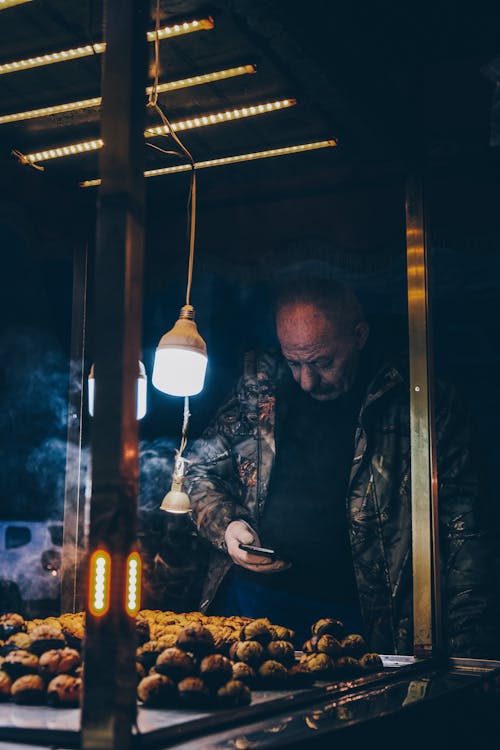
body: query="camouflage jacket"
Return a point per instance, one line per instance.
(230, 472)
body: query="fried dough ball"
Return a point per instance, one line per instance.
(64, 690)
(233, 693)
(45, 637)
(273, 673)
(29, 690)
(328, 644)
(281, 651)
(19, 663)
(5, 685)
(59, 661)
(258, 630)
(371, 663)
(215, 670)
(250, 652)
(244, 673)
(320, 664)
(175, 663)
(197, 639)
(283, 634)
(148, 653)
(327, 626)
(11, 623)
(310, 646)
(193, 692)
(18, 641)
(157, 691)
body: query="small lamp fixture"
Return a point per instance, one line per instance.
(176, 500)
(181, 358)
(142, 391)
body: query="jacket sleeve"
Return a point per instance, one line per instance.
(212, 481)
(468, 583)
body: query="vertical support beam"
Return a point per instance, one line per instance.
(109, 701)
(425, 523)
(74, 500)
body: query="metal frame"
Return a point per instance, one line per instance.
(74, 499)
(427, 633)
(109, 700)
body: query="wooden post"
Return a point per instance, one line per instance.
(109, 703)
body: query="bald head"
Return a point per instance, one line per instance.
(322, 331)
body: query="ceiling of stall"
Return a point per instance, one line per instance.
(388, 81)
(395, 84)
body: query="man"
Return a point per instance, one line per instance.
(310, 455)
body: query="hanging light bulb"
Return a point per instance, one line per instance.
(181, 358)
(176, 500)
(142, 391)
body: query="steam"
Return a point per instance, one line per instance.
(33, 415)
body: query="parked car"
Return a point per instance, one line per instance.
(30, 565)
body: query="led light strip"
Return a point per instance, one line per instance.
(230, 160)
(195, 122)
(226, 116)
(133, 580)
(10, 3)
(99, 575)
(56, 109)
(188, 27)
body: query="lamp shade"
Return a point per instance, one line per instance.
(176, 500)
(142, 391)
(181, 358)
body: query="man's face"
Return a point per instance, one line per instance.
(323, 359)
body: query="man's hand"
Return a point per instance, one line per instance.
(239, 532)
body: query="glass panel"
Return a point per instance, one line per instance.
(17, 536)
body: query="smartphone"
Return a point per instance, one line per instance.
(264, 551)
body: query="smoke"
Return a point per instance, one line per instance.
(156, 463)
(33, 415)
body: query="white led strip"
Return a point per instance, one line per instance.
(195, 122)
(10, 3)
(230, 160)
(188, 27)
(56, 109)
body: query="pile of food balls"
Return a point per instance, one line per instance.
(209, 661)
(331, 652)
(37, 663)
(187, 659)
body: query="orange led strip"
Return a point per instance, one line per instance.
(133, 579)
(99, 577)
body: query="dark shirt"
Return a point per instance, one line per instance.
(304, 517)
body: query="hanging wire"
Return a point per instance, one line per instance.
(185, 424)
(153, 103)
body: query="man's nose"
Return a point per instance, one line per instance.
(308, 378)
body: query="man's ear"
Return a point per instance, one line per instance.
(361, 332)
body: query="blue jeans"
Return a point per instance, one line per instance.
(242, 594)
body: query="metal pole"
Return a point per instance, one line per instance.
(427, 636)
(109, 700)
(73, 528)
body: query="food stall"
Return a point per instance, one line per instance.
(88, 136)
